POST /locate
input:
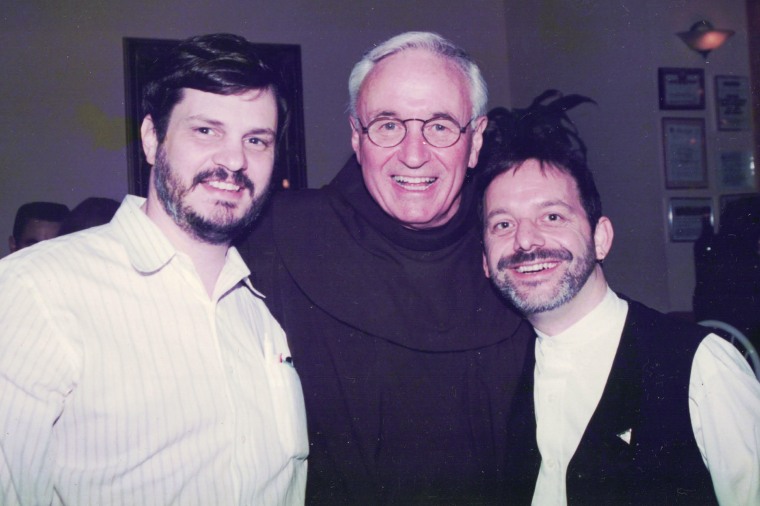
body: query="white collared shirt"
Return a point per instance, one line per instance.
(122, 382)
(571, 371)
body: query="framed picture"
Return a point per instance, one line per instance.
(681, 88)
(290, 165)
(736, 170)
(732, 103)
(683, 141)
(686, 215)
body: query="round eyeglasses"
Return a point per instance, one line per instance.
(440, 132)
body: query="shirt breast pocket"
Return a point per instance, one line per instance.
(289, 408)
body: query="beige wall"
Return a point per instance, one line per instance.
(610, 51)
(62, 87)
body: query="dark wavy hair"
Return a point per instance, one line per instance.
(219, 63)
(541, 132)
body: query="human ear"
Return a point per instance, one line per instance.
(485, 266)
(479, 126)
(356, 137)
(603, 236)
(149, 139)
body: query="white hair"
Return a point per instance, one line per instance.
(430, 42)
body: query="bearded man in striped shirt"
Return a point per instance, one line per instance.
(139, 365)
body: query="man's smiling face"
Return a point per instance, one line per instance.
(539, 248)
(212, 171)
(417, 184)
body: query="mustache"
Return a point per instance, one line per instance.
(221, 174)
(515, 259)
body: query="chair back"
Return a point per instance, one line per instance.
(739, 340)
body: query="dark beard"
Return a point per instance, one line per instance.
(569, 286)
(222, 230)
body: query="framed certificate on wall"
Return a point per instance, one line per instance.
(732, 103)
(686, 215)
(681, 88)
(684, 150)
(736, 170)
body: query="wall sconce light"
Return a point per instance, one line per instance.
(702, 37)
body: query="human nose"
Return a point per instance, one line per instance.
(414, 150)
(231, 156)
(528, 236)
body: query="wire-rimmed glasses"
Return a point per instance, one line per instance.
(439, 131)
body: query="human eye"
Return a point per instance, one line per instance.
(386, 125)
(205, 132)
(259, 142)
(554, 218)
(386, 132)
(440, 125)
(441, 132)
(500, 227)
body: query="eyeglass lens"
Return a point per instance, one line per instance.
(438, 132)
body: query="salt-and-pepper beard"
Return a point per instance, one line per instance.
(568, 287)
(172, 192)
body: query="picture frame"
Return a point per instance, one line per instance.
(290, 163)
(685, 153)
(736, 170)
(733, 107)
(681, 88)
(686, 215)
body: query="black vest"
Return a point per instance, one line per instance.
(646, 392)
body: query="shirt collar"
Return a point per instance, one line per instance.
(598, 323)
(147, 247)
(149, 250)
(235, 271)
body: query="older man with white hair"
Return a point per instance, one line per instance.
(408, 358)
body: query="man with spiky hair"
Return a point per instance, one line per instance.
(619, 404)
(139, 365)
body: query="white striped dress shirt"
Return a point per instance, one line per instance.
(122, 382)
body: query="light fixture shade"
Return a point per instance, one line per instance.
(702, 37)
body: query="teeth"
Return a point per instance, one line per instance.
(413, 183)
(223, 185)
(535, 267)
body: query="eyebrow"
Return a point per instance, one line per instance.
(495, 212)
(217, 123)
(552, 203)
(542, 205)
(259, 131)
(435, 115)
